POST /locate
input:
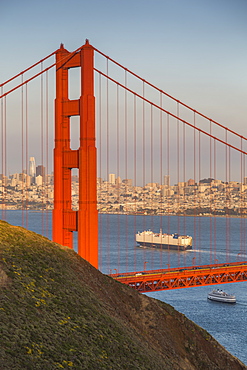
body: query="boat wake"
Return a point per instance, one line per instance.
(218, 253)
(241, 304)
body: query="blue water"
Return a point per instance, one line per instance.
(227, 323)
(215, 240)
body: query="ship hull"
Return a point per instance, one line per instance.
(165, 246)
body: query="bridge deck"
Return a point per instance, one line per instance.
(155, 280)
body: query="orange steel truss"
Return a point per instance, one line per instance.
(85, 220)
(152, 281)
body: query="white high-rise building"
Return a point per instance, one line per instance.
(112, 178)
(39, 180)
(32, 167)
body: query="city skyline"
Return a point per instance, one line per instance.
(208, 197)
(116, 179)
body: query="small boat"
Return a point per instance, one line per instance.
(221, 296)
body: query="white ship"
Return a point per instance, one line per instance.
(164, 241)
(221, 296)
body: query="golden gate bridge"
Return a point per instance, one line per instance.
(120, 123)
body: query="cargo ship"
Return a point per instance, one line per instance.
(164, 241)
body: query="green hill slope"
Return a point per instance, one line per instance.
(58, 312)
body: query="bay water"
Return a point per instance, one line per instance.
(215, 240)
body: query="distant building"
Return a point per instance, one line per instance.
(32, 167)
(165, 192)
(181, 184)
(112, 178)
(191, 182)
(127, 182)
(151, 185)
(3, 180)
(167, 180)
(39, 180)
(24, 179)
(40, 171)
(118, 181)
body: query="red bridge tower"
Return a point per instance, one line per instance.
(85, 220)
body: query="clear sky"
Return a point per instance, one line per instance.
(196, 50)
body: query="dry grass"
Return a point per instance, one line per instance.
(57, 311)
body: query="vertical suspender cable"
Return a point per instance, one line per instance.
(126, 162)
(178, 177)
(5, 148)
(226, 193)
(3, 144)
(168, 174)
(107, 166)
(226, 196)
(24, 176)
(151, 173)
(184, 185)
(215, 175)
(42, 141)
(118, 176)
(199, 177)
(4, 154)
(46, 149)
(210, 187)
(135, 183)
(161, 182)
(26, 129)
(242, 205)
(99, 188)
(229, 218)
(195, 194)
(241, 200)
(143, 160)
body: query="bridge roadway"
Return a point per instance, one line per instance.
(184, 277)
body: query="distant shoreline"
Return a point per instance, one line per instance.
(132, 213)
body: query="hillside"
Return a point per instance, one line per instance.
(58, 312)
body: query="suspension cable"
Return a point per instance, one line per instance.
(173, 115)
(170, 96)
